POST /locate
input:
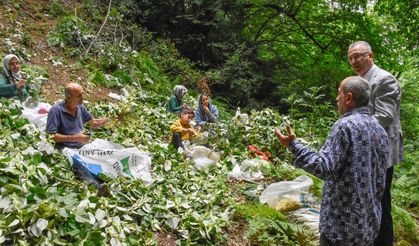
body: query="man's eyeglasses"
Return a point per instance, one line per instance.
(356, 57)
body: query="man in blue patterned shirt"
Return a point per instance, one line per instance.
(352, 162)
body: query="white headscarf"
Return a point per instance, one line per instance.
(12, 77)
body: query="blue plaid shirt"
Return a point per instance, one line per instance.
(352, 162)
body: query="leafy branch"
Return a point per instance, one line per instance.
(100, 29)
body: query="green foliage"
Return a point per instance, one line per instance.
(310, 105)
(268, 226)
(115, 62)
(405, 188)
(237, 78)
(198, 28)
(57, 9)
(111, 57)
(399, 20)
(264, 50)
(98, 78)
(406, 184)
(37, 76)
(26, 39)
(131, 68)
(178, 69)
(193, 205)
(409, 104)
(71, 33)
(405, 227)
(259, 210)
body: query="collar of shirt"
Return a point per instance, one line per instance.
(360, 110)
(370, 72)
(62, 105)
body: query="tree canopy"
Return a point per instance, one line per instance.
(260, 49)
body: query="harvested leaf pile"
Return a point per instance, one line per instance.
(41, 201)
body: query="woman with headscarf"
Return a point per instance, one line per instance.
(206, 112)
(176, 101)
(12, 80)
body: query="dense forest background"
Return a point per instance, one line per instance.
(266, 51)
(279, 61)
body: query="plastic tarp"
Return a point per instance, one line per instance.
(256, 152)
(31, 111)
(249, 170)
(124, 97)
(112, 160)
(289, 193)
(201, 139)
(202, 156)
(285, 190)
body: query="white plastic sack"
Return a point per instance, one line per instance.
(202, 156)
(201, 139)
(250, 169)
(112, 160)
(117, 97)
(203, 162)
(30, 111)
(309, 217)
(102, 144)
(285, 190)
(124, 97)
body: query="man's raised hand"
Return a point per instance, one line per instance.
(285, 140)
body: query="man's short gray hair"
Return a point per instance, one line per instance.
(360, 90)
(363, 44)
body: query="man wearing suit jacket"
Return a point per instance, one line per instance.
(384, 105)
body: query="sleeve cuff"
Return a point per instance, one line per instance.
(293, 146)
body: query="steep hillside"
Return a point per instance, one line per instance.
(25, 28)
(42, 203)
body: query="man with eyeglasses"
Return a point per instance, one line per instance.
(384, 105)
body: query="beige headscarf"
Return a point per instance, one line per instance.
(12, 77)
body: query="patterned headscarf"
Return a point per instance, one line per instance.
(12, 77)
(179, 91)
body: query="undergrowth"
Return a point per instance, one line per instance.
(266, 226)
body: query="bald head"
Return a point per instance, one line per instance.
(72, 89)
(73, 95)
